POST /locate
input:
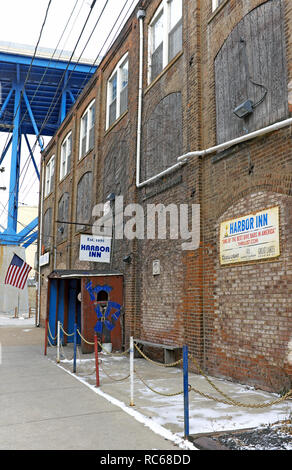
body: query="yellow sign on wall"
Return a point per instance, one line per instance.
(252, 237)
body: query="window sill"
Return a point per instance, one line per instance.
(84, 156)
(48, 195)
(218, 9)
(116, 122)
(64, 177)
(167, 67)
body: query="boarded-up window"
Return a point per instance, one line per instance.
(252, 60)
(84, 200)
(163, 136)
(115, 169)
(47, 228)
(63, 215)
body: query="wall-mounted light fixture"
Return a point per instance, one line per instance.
(127, 259)
(244, 109)
(111, 197)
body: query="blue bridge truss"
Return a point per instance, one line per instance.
(36, 94)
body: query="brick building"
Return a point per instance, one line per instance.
(207, 81)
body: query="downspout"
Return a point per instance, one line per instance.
(198, 153)
(238, 140)
(140, 16)
(40, 246)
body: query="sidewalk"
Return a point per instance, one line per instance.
(205, 415)
(46, 406)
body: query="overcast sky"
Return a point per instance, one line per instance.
(21, 21)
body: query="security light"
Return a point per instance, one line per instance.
(111, 197)
(127, 259)
(244, 109)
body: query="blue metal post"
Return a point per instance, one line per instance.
(32, 156)
(64, 99)
(186, 391)
(75, 347)
(15, 160)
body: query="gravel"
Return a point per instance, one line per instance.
(274, 437)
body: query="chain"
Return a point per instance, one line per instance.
(50, 343)
(156, 391)
(88, 342)
(113, 378)
(53, 337)
(157, 363)
(62, 349)
(67, 334)
(111, 353)
(230, 401)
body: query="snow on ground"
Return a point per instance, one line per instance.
(22, 320)
(205, 416)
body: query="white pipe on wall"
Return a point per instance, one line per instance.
(183, 158)
(238, 140)
(140, 16)
(40, 245)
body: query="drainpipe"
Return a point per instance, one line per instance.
(40, 246)
(238, 140)
(198, 153)
(140, 16)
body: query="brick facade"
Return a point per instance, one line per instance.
(236, 319)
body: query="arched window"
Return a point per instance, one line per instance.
(163, 136)
(250, 74)
(47, 228)
(63, 215)
(84, 200)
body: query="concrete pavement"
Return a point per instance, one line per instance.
(42, 407)
(46, 406)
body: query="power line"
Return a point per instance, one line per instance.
(31, 62)
(28, 158)
(26, 79)
(104, 43)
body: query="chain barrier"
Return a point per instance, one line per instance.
(229, 400)
(50, 333)
(67, 334)
(157, 363)
(111, 377)
(111, 353)
(156, 391)
(226, 399)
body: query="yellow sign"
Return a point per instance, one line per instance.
(252, 237)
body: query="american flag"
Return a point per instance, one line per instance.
(17, 272)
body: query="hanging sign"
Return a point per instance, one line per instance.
(94, 248)
(252, 237)
(45, 259)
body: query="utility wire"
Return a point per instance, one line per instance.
(26, 79)
(33, 148)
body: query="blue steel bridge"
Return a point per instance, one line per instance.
(37, 91)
